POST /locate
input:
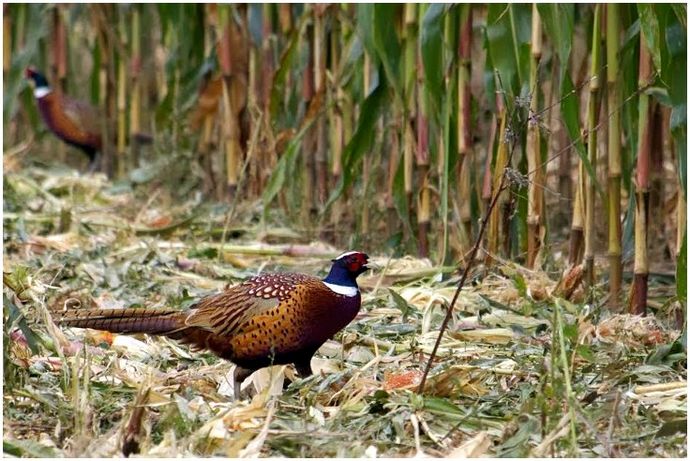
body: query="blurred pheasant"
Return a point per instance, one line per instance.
(75, 122)
(270, 319)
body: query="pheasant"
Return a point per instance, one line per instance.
(270, 319)
(75, 122)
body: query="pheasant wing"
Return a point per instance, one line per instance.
(83, 115)
(230, 312)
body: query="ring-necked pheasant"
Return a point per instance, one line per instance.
(270, 319)
(75, 122)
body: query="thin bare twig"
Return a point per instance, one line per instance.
(503, 185)
(470, 263)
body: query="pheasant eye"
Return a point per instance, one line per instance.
(353, 265)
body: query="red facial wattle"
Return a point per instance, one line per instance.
(356, 262)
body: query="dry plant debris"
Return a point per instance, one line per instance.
(521, 372)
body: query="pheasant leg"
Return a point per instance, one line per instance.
(238, 376)
(303, 367)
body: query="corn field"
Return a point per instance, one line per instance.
(551, 136)
(396, 123)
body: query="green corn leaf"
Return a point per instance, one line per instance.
(650, 28)
(517, 445)
(571, 118)
(508, 32)
(432, 54)
(442, 406)
(500, 43)
(387, 44)
(585, 351)
(680, 136)
(676, 44)
(287, 60)
(400, 303)
(681, 11)
(15, 318)
(673, 46)
(28, 448)
(365, 26)
(351, 56)
(558, 20)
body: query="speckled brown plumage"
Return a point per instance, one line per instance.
(269, 319)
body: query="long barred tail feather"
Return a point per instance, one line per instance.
(154, 321)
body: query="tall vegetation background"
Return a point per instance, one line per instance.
(390, 127)
(539, 148)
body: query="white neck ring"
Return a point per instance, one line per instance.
(342, 289)
(41, 92)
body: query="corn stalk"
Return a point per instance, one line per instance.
(422, 155)
(578, 218)
(681, 206)
(59, 62)
(445, 147)
(660, 150)
(336, 96)
(7, 39)
(464, 163)
(409, 88)
(366, 164)
(577, 224)
(614, 154)
(638, 298)
(486, 177)
(135, 87)
(102, 16)
(535, 199)
(499, 165)
(592, 122)
(321, 161)
(267, 66)
(122, 103)
(393, 132)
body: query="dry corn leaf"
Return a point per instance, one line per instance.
(489, 335)
(269, 379)
(253, 448)
(134, 348)
(325, 367)
(55, 242)
(476, 447)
